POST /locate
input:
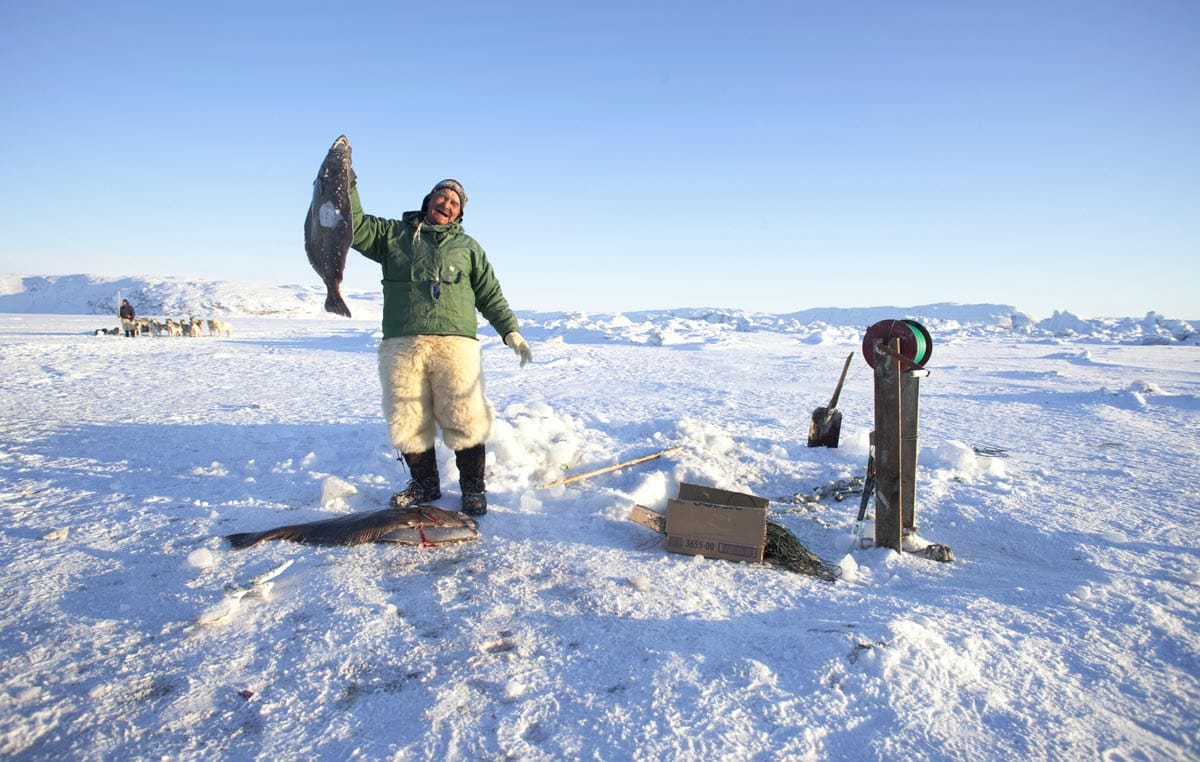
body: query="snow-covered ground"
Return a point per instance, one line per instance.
(1066, 628)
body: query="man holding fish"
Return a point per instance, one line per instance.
(435, 279)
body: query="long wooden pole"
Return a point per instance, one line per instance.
(606, 469)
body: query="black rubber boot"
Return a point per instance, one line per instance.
(471, 462)
(425, 485)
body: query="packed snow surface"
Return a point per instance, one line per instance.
(1058, 464)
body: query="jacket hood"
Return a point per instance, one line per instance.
(412, 219)
(415, 221)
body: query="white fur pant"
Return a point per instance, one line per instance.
(431, 382)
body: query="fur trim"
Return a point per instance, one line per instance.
(432, 382)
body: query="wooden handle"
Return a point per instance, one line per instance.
(606, 469)
(838, 391)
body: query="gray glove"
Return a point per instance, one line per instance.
(515, 340)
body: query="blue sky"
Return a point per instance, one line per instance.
(768, 156)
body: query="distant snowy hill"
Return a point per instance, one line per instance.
(176, 297)
(168, 297)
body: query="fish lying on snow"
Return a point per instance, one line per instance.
(416, 525)
(328, 226)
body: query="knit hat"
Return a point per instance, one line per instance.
(451, 184)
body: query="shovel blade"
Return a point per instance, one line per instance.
(826, 427)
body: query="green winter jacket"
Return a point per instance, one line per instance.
(435, 277)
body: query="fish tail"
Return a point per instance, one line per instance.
(244, 539)
(335, 304)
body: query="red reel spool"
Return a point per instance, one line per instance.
(915, 342)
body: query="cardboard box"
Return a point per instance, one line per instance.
(717, 523)
(640, 514)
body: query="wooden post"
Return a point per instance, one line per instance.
(889, 463)
(897, 406)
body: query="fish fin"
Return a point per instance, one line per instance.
(335, 304)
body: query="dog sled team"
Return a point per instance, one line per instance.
(193, 326)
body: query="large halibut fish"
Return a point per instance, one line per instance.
(418, 525)
(328, 227)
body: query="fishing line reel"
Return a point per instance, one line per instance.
(916, 345)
